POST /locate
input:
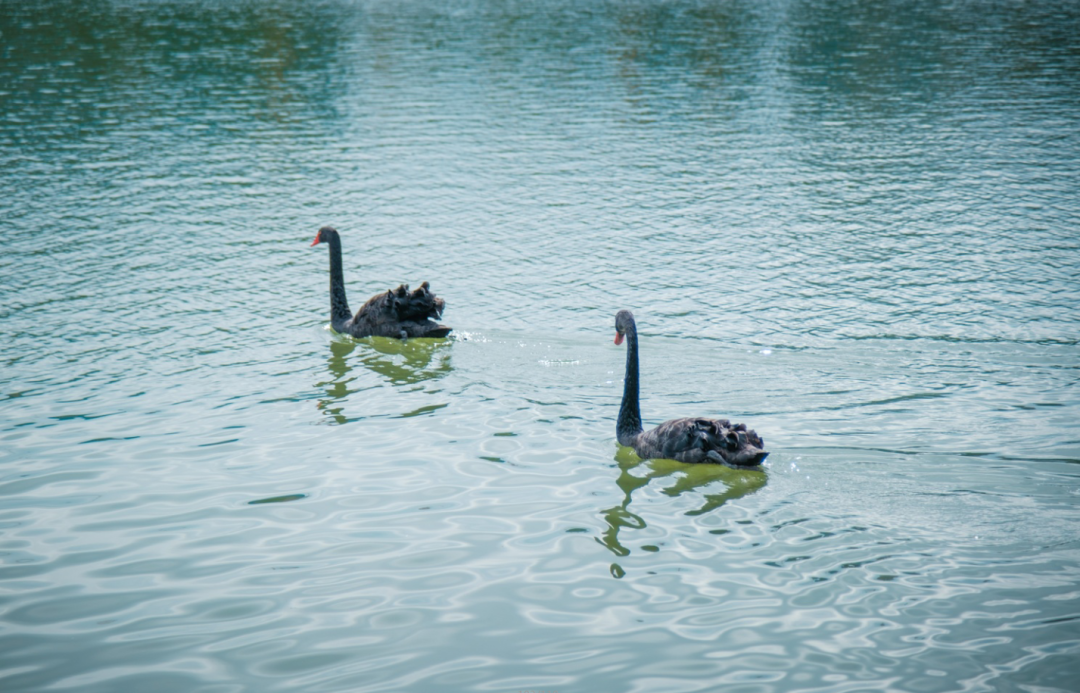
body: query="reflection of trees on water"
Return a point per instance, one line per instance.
(634, 473)
(201, 63)
(412, 362)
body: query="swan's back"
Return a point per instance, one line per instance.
(696, 440)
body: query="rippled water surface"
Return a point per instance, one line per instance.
(853, 225)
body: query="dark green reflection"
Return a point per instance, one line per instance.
(134, 65)
(337, 388)
(688, 477)
(401, 363)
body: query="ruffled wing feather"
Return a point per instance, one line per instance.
(400, 313)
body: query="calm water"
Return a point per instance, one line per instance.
(853, 225)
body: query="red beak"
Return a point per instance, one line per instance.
(316, 241)
(618, 337)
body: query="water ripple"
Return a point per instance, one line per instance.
(851, 225)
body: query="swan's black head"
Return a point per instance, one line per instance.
(324, 235)
(624, 321)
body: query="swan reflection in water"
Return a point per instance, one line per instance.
(634, 473)
(402, 363)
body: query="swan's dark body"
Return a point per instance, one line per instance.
(690, 440)
(397, 313)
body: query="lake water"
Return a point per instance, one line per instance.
(854, 226)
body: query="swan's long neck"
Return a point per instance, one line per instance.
(339, 305)
(629, 424)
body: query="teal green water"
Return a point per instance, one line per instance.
(853, 225)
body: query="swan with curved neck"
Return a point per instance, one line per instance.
(692, 440)
(395, 313)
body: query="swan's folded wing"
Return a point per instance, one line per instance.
(686, 440)
(378, 309)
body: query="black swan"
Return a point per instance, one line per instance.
(684, 440)
(396, 313)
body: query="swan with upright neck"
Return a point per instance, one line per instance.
(395, 313)
(692, 440)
